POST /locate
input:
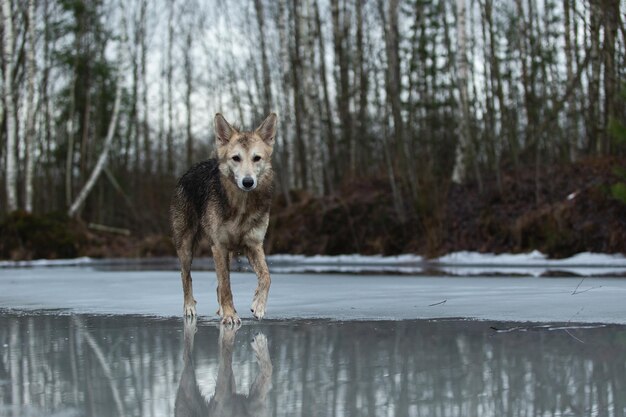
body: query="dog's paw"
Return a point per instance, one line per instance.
(231, 320)
(258, 307)
(189, 309)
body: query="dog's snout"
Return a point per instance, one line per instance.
(248, 182)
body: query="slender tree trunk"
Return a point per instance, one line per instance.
(189, 86)
(170, 95)
(363, 145)
(102, 160)
(49, 192)
(267, 81)
(9, 108)
(298, 96)
(593, 110)
(459, 173)
(69, 158)
(133, 118)
(342, 80)
(147, 151)
(327, 116)
(283, 141)
(610, 12)
(392, 99)
(30, 111)
(571, 129)
(393, 74)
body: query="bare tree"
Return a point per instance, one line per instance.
(342, 78)
(267, 81)
(169, 148)
(30, 134)
(9, 108)
(104, 154)
(464, 139)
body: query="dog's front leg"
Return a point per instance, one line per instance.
(256, 257)
(224, 294)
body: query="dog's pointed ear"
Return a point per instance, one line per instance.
(267, 129)
(223, 130)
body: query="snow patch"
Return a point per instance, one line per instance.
(48, 262)
(534, 258)
(347, 259)
(462, 263)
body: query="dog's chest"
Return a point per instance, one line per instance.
(243, 227)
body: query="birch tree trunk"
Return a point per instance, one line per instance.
(188, 70)
(460, 165)
(298, 94)
(342, 80)
(267, 82)
(327, 115)
(363, 76)
(147, 163)
(9, 108)
(283, 140)
(30, 110)
(169, 147)
(102, 159)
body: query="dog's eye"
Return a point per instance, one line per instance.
(236, 158)
(257, 158)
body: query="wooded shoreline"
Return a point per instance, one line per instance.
(577, 213)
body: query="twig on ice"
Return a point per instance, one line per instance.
(588, 289)
(436, 304)
(578, 286)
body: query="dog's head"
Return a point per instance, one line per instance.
(245, 157)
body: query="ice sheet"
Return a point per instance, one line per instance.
(333, 296)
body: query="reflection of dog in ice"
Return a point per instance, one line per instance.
(225, 401)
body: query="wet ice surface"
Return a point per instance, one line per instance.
(333, 296)
(93, 341)
(84, 365)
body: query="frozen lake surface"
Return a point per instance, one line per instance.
(109, 340)
(328, 296)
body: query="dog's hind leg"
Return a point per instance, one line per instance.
(184, 249)
(224, 294)
(256, 257)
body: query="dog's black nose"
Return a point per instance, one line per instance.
(248, 182)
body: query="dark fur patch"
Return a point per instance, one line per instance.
(201, 183)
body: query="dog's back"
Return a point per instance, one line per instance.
(196, 189)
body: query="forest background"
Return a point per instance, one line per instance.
(405, 125)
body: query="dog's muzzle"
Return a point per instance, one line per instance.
(248, 183)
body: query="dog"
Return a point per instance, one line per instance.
(226, 199)
(225, 401)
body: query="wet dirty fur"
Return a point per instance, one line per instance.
(211, 203)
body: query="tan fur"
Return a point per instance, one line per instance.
(233, 217)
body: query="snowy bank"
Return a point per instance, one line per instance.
(458, 263)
